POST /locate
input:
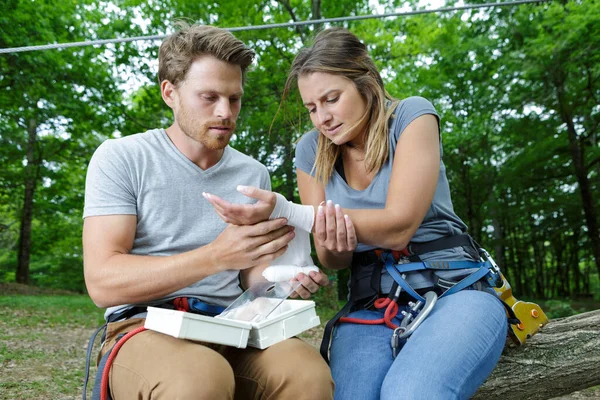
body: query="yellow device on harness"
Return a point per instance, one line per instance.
(530, 315)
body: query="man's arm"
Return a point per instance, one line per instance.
(114, 276)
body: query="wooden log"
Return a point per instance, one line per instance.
(560, 359)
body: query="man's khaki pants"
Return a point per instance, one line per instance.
(151, 365)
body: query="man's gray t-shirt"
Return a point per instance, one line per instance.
(440, 219)
(147, 176)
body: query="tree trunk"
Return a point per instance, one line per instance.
(562, 358)
(316, 13)
(499, 235)
(22, 275)
(290, 171)
(581, 173)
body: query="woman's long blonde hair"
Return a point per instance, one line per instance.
(337, 51)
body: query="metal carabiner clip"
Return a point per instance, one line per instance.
(412, 319)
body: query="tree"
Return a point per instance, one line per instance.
(55, 104)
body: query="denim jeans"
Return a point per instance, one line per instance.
(448, 357)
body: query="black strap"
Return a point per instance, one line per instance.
(329, 329)
(443, 243)
(98, 380)
(127, 313)
(512, 317)
(88, 358)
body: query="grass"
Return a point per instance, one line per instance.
(43, 343)
(44, 336)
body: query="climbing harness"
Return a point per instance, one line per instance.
(525, 319)
(100, 390)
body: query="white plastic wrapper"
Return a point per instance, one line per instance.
(258, 301)
(278, 273)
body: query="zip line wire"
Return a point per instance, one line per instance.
(270, 26)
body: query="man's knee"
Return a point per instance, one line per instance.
(215, 381)
(302, 374)
(208, 377)
(168, 368)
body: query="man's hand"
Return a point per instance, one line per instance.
(246, 246)
(310, 284)
(244, 214)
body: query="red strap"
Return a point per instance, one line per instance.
(111, 357)
(181, 304)
(395, 253)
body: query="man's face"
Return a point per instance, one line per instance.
(207, 103)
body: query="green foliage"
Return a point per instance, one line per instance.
(558, 309)
(506, 81)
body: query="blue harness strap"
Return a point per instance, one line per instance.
(485, 269)
(394, 273)
(204, 308)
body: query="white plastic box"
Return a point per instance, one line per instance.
(291, 318)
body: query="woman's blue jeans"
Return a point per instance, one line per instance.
(448, 357)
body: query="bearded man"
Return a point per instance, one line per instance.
(149, 237)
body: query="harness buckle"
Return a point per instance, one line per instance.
(487, 257)
(495, 279)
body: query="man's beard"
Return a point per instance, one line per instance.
(200, 132)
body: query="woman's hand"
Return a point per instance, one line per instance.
(333, 230)
(244, 214)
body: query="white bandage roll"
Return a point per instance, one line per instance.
(297, 257)
(278, 273)
(298, 216)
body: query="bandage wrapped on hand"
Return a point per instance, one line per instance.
(296, 258)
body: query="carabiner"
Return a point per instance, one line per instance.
(419, 312)
(396, 340)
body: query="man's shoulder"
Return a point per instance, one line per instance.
(136, 139)
(129, 144)
(245, 159)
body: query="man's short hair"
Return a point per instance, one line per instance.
(182, 48)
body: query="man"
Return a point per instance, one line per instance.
(150, 237)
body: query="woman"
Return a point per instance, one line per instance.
(379, 160)
(372, 169)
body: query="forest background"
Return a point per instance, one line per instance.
(517, 87)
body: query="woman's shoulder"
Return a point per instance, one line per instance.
(308, 142)
(415, 103)
(309, 137)
(306, 150)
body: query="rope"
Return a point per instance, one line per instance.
(390, 313)
(109, 361)
(271, 26)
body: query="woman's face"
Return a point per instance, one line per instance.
(335, 106)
